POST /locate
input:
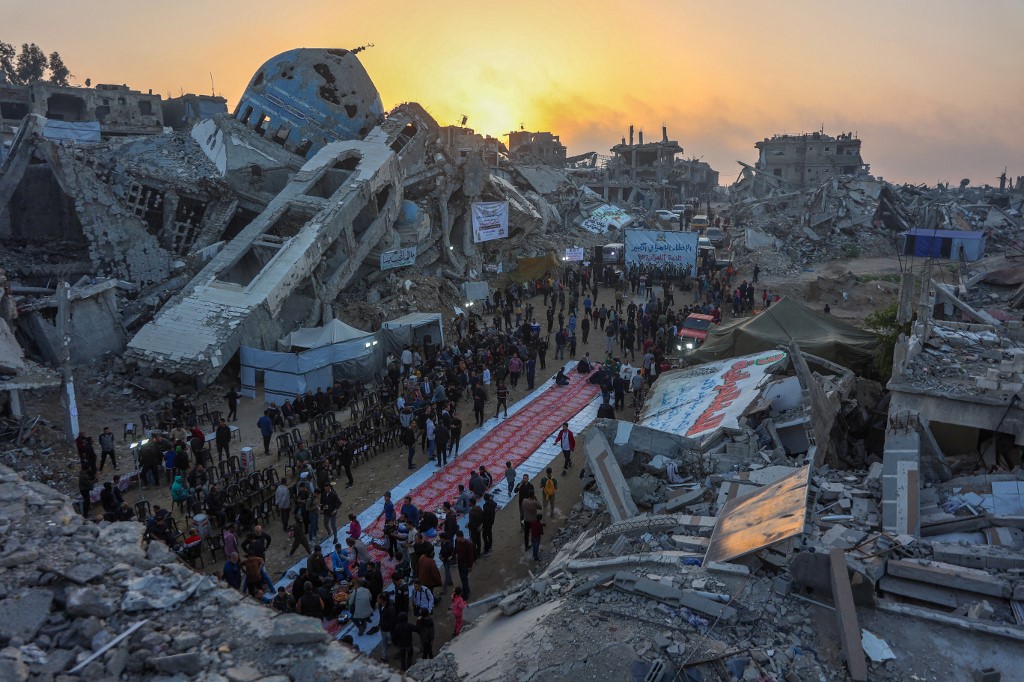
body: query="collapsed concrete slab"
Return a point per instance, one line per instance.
(301, 251)
(601, 462)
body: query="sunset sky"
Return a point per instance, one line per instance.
(934, 89)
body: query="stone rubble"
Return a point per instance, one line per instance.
(69, 587)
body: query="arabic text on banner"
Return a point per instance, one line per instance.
(490, 220)
(574, 254)
(655, 247)
(399, 258)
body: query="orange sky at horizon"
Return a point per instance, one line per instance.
(932, 88)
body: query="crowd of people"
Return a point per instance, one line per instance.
(422, 392)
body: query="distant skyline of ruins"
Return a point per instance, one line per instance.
(932, 88)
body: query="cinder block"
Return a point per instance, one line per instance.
(1011, 386)
(989, 384)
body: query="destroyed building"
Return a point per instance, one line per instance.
(236, 228)
(810, 158)
(305, 98)
(525, 146)
(647, 174)
(117, 109)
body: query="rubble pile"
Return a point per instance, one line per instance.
(638, 596)
(782, 227)
(86, 601)
(784, 546)
(239, 234)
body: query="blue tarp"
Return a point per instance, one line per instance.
(953, 244)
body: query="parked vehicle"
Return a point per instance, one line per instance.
(699, 223)
(715, 235)
(611, 254)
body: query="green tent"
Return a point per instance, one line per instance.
(787, 320)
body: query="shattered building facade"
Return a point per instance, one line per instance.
(810, 158)
(235, 228)
(525, 146)
(118, 109)
(649, 174)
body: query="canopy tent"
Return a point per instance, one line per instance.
(787, 320)
(334, 331)
(534, 268)
(424, 328)
(961, 245)
(321, 355)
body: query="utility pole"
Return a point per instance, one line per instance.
(67, 395)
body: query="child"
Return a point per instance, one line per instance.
(536, 531)
(457, 607)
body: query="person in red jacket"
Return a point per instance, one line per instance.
(567, 441)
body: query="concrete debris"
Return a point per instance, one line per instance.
(50, 623)
(235, 229)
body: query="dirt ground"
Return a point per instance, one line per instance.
(100, 406)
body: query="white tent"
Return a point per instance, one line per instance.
(333, 332)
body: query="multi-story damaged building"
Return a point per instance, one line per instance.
(810, 158)
(650, 174)
(529, 146)
(233, 229)
(118, 109)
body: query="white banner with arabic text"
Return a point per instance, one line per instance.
(490, 220)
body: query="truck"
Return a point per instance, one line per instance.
(613, 254)
(705, 247)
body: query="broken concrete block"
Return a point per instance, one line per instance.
(950, 576)
(713, 609)
(782, 585)
(987, 675)
(981, 611)
(725, 567)
(681, 497)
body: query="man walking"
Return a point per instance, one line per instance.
(549, 486)
(475, 525)
(489, 512)
(501, 394)
(566, 439)
(510, 478)
(266, 426)
(531, 510)
(232, 397)
(464, 555)
(283, 502)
